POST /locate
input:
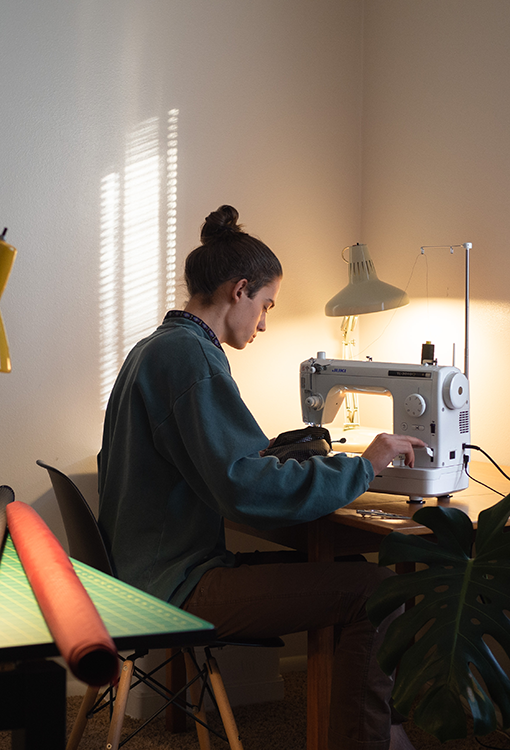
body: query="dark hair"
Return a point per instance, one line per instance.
(226, 254)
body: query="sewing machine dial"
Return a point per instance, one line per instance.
(415, 405)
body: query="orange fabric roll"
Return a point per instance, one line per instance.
(70, 614)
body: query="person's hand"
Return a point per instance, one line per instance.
(384, 448)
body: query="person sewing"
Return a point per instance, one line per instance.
(181, 451)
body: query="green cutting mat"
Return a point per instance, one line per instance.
(133, 618)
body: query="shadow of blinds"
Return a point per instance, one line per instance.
(137, 260)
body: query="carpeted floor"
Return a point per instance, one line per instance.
(269, 726)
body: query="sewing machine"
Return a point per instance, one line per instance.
(429, 401)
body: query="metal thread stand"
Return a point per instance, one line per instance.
(467, 247)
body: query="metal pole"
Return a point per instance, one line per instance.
(467, 247)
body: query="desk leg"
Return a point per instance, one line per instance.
(34, 705)
(320, 657)
(320, 648)
(175, 680)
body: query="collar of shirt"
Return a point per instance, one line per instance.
(188, 316)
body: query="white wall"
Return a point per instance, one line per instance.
(436, 170)
(269, 100)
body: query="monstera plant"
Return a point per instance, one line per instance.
(446, 668)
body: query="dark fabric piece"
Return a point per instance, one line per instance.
(301, 444)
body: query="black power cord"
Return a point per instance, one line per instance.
(465, 446)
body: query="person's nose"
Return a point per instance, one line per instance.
(262, 323)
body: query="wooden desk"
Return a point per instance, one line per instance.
(346, 532)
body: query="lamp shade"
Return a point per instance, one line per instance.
(365, 292)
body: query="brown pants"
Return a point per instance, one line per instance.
(264, 597)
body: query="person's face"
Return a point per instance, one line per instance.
(248, 315)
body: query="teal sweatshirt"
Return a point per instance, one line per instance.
(180, 453)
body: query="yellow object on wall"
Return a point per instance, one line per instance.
(7, 255)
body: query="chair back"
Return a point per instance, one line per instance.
(83, 535)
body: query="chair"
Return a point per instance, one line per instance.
(86, 545)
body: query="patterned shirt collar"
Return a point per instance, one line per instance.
(188, 316)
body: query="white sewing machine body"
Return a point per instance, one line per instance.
(429, 401)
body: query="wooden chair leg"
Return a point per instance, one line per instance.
(195, 690)
(81, 720)
(119, 708)
(220, 694)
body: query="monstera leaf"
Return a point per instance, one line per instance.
(463, 596)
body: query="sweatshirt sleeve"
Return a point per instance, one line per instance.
(218, 456)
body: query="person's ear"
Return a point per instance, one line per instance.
(240, 288)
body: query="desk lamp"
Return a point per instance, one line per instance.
(365, 293)
(7, 255)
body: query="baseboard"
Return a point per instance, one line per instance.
(293, 663)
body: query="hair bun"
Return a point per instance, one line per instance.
(221, 221)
